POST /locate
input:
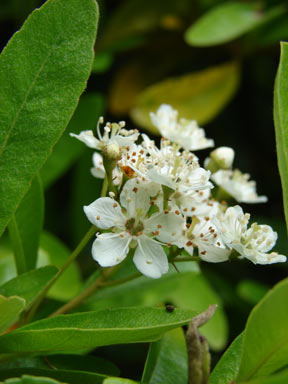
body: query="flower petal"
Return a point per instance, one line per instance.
(110, 249)
(88, 138)
(135, 199)
(105, 213)
(150, 258)
(168, 226)
(212, 253)
(160, 178)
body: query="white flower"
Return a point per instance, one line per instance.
(98, 170)
(256, 242)
(195, 203)
(114, 136)
(252, 243)
(177, 170)
(130, 223)
(232, 225)
(186, 133)
(204, 235)
(238, 185)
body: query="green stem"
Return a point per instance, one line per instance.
(104, 186)
(87, 293)
(167, 192)
(70, 259)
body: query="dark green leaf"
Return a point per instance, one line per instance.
(265, 342)
(10, 308)
(29, 284)
(26, 225)
(281, 122)
(167, 360)
(43, 71)
(93, 329)
(227, 368)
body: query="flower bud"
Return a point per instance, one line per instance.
(223, 157)
(220, 158)
(111, 151)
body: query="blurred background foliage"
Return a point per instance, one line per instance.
(214, 61)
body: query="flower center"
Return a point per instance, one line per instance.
(135, 229)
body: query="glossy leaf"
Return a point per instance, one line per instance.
(281, 122)
(265, 342)
(29, 284)
(198, 96)
(10, 308)
(167, 360)
(68, 149)
(227, 367)
(174, 288)
(226, 22)
(25, 227)
(93, 329)
(54, 252)
(43, 71)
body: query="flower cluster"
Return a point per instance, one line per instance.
(163, 203)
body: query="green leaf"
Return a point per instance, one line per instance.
(7, 262)
(66, 376)
(281, 122)
(199, 96)
(265, 342)
(29, 284)
(63, 364)
(227, 22)
(10, 308)
(251, 290)
(279, 378)
(26, 225)
(27, 379)
(174, 288)
(227, 367)
(53, 251)
(118, 380)
(86, 363)
(43, 71)
(93, 329)
(167, 360)
(68, 150)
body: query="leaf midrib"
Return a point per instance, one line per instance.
(266, 357)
